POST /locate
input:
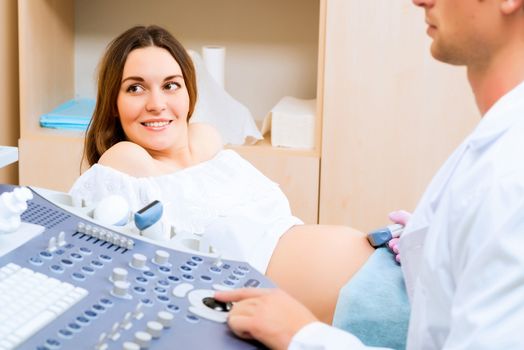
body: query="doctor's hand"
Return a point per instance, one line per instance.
(270, 316)
(398, 217)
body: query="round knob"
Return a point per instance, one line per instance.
(81, 227)
(120, 288)
(161, 257)
(155, 329)
(130, 346)
(88, 229)
(138, 261)
(142, 339)
(119, 274)
(165, 318)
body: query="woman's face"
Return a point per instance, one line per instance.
(153, 101)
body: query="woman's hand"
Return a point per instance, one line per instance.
(398, 217)
(270, 316)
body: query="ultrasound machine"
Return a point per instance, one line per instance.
(69, 282)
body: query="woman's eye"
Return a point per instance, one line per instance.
(171, 86)
(135, 88)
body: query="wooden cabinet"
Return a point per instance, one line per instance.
(391, 114)
(272, 51)
(388, 114)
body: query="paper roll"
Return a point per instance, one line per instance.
(215, 60)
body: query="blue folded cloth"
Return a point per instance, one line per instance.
(374, 304)
(72, 115)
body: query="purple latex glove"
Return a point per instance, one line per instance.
(398, 217)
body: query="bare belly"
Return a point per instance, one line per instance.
(313, 262)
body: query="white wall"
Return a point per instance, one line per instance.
(272, 45)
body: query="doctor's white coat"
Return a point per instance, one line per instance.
(463, 249)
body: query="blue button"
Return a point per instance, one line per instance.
(239, 273)
(88, 269)
(146, 301)
(164, 269)
(185, 268)
(243, 268)
(46, 255)
(188, 277)
(228, 283)
(76, 256)
(191, 263)
(141, 279)
(173, 308)
(233, 278)
(226, 266)
(56, 268)
(66, 262)
(59, 251)
(36, 261)
(105, 257)
(215, 269)
(252, 283)
(140, 290)
(99, 308)
(192, 319)
(83, 320)
(149, 274)
(65, 333)
(86, 250)
(197, 259)
(97, 264)
(160, 290)
(69, 246)
(75, 327)
(163, 298)
(206, 278)
(53, 343)
(78, 276)
(163, 283)
(91, 314)
(174, 279)
(106, 302)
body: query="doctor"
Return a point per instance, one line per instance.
(463, 248)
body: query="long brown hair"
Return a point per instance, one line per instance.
(105, 129)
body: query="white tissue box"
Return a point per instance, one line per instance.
(292, 123)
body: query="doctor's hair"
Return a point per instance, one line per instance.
(105, 129)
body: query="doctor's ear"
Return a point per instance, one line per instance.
(510, 6)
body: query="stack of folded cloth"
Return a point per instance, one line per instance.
(292, 123)
(72, 115)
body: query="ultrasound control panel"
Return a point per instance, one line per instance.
(80, 285)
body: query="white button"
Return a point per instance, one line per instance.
(165, 318)
(61, 239)
(51, 246)
(130, 346)
(161, 257)
(155, 329)
(138, 261)
(142, 339)
(181, 290)
(119, 274)
(120, 288)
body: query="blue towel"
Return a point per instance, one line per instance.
(71, 115)
(374, 305)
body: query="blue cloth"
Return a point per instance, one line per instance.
(72, 115)
(374, 305)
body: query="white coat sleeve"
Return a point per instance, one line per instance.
(320, 336)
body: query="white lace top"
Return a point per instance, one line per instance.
(240, 211)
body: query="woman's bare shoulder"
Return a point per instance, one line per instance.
(204, 140)
(129, 158)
